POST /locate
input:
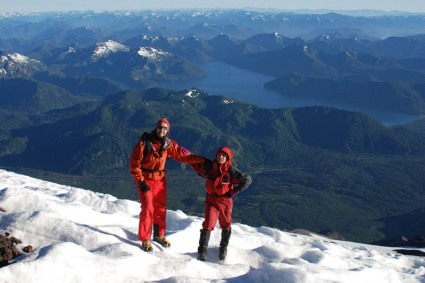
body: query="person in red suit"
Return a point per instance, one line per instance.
(223, 182)
(147, 162)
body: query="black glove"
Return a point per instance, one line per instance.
(144, 187)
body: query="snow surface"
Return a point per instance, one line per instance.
(152, 53)
(18, 58)
(104, 49)
(15, 60)
(192, 93)
(228, 101)
(83, 236)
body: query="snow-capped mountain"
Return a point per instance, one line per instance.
(160, 42)
(142, 65)
(104, 49)
(153, 54)
(81, 236)
(123, 64)
(13, 65)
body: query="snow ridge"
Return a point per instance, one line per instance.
(104, 49)
(153, 53)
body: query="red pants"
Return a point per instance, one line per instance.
(153, 208)
(217, 208)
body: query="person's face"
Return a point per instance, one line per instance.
(221, 157)
(162, 130)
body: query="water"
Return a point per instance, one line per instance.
(226, 80)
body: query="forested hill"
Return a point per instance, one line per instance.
(202, 123)
(316, 168)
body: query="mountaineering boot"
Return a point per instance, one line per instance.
(147, 246)
(155, 230)
(225, 236)
(162, 241)
(203, 244)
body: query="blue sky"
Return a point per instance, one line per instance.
(64, 5)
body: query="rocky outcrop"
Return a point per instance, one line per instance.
(9, 249)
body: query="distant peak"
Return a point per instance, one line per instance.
(192, 93)
(16, 65)
(103, 49)
(152, 53)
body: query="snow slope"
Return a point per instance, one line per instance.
(83, 236)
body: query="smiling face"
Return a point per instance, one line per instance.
(162, 130)
(221, 157)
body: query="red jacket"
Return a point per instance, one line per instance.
(224, 180)
(218, 179)
(148, 157)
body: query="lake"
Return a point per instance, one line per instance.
(226, 80)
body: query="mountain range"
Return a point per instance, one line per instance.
(390, 69)
(78, 89)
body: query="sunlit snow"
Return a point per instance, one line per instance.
(83, 236)
(192, 93)
(103, 49)
(152, 53)
(18, 58)
(10, 62)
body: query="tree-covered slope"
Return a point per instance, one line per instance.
(32, 96)
(316, 167)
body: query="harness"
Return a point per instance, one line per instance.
(148, 146)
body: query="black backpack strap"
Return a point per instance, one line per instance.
(145, 139)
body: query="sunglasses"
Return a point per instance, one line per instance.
(222, 154)
(162, 127)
